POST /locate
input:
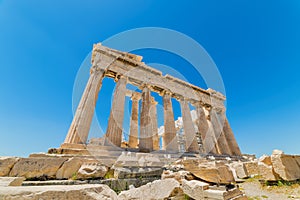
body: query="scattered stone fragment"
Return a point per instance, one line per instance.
(179, 176)
(69, 169)
(94, 170)
(251, 168)
(240, 169)
(194, 188)
(6, 164)
(211, 171)
(11, 181)
(160, 189)
(86, 192)
(286, 166)
(37, 167)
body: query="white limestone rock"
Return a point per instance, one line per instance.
(267, 172)
(286, 166)
(179, 176)
(160, 189)
(11, 181)
(94, 170)
(251, 168)
(239, 169)
(6, 164)
(69, 168)
(210, 171)
(137, 172)
(194, 188)
(87, 192)
(37, 167)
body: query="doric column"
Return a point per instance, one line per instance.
(115, 123)
(202, 125)
(234, 147)
(169, 138)
(146, 143)
(210, 141)
(153, 115)
(217, 123)
(80, 127)
(188, 127)
(133, 135)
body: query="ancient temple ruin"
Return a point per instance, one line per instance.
(210, 133)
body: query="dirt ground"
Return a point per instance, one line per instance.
(255, 191)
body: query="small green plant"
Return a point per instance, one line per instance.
(186, 197)
(74, 176)
(109, 174)
(254, 198)
(280, 183)
(264, 196)
(141, 178)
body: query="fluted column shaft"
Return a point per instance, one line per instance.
(210, 141)
(133, 136)
(234, 147)
(202, 125)
(115, 123)
(169, 137)
(146, 143)
(189, 129)
(217, 123)
(80, 127)
(153, 114)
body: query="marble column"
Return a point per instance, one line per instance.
(80, 127)
(115, 123)
(146, 143)
(217, 123)
(169, 138)
(210, 141)
(202, 125)
(153, 115)
(188, 127)
(234, 147)
(133, 135)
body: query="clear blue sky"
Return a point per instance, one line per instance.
(254, 43)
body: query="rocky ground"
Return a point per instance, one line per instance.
(148, 176)
(255, 190)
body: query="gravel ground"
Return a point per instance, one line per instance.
(255, 191)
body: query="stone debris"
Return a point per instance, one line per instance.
(11, 181)
(69, 168)
(160, 189)
(86, 192)
(266, 172)
(179, 176)
(194, 189)
(136, 172)
(37, 168)
(93, 170)
(240, 169)
(286, 166)
(6, 164)
(251, 168)
(210, 171)
(136, 165)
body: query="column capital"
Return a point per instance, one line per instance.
(119, 77)
(136, 96)
(144, 86)
(165, 92)
(153, 102)
(95, 68)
